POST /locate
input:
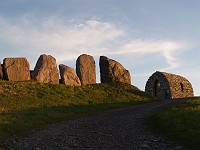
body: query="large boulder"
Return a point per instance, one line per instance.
(85, 69)
(113, 71)
(1, 71)
(16, 69)
(68, 76)
(46, 70)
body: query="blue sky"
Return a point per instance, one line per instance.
(144, 36)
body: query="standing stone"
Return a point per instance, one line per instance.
(16, 69)
(46, 70)
(85, 69)
(1, 71)
(68, 76)
(113, 71)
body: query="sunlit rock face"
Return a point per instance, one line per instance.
(16, 69)
(68, 76)
(46, 70)
(85, 69)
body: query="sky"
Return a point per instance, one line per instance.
(143, 35)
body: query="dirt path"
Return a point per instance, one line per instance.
(116, 129)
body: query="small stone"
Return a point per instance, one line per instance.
(147, 142)
(178, 147)
(155, 140)
(145, 146)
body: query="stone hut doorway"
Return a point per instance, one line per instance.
(157, 89)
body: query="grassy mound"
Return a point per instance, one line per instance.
(179, 122)
(27, 105)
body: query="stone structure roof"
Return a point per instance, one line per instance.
(168, 86)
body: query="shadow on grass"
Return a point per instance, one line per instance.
(140, 93)
(18, 123)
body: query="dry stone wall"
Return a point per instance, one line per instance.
(180, 87)
(16, 69)
(85, 69)
(164, 86)
(168, 86)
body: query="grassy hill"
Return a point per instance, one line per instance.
(27, 105)
(179, 122)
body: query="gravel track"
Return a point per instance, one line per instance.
(115, 129)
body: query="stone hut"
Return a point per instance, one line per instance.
(168, 86)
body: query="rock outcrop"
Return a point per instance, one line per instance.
(16, 69)
(46, 70)
(113, 71)
(68, 76)
(85, 69)
(1, 71)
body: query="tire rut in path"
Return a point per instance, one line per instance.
(115, 129)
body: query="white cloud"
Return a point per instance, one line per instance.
(169, 49)
(66, 41)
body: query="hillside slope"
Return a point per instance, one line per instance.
(179, 122)
(28, 105)
(25, 95)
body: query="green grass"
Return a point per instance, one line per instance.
(25, 106)
(179, 122)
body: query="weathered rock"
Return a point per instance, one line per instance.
(68, 76)
(46, 70)
(1, 71)
(85, 69)
(16, 69)
(113, 71)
